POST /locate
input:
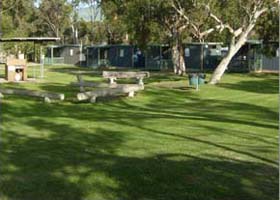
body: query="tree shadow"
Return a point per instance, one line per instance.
(262, 86)
(53, 167)
(68, 165)
(78, 162)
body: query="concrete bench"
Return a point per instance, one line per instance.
(82, 84)
(128, 89)
(114, 75)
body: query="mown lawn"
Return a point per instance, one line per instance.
(170, 142)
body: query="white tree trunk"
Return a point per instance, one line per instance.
(178, 60)
(234, 48)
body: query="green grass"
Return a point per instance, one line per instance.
(169, 142)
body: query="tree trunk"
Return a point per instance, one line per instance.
(234, 48)
(32, 93)
(178, 59)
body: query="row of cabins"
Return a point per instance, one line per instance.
(198, 56)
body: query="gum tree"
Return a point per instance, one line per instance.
(148, 21)
(53, 18)
(237, 18)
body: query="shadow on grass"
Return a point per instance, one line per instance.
(78, 162)
(72, 164)
(263, 86)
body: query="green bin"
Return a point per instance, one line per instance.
(193, 79)
(201, 79)
(197, 79)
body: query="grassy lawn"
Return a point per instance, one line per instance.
(170, 142)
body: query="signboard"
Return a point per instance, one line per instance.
(11, 68)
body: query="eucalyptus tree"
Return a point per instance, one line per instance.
(53, 18)
(115, 12)
(174, 28)
(147, 21)
(267, 28)
(95, 24)
(237, 18)
(18, 16)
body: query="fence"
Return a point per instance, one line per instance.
(54, 60)
(270, 63)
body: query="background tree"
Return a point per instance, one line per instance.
(146, 22)
(268, 27)
(114, 12)
(172, 27)
(95, 26)
(226, 20)
(17, 20)
(54, 18)
(267, 30)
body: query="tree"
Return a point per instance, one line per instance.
(267, 28)
(174, 27)
(95, 26)
(147, 21)
(17, 21)
(53, 18)
(115, 13)
(17, 17)
(226, 20)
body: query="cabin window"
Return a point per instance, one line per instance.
(187, 52)
(121, 52)
(215, 52)
(71, 52)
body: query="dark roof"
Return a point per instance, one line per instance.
(204, 43)
(65, 45)
(30, 39)
(109, 45)
(123, 45)
(254, 41)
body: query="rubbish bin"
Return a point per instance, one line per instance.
(201, 78)
(193, 79)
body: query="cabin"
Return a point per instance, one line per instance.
(248, 58)
(199, 57)
(154, 57)
(158, 57)
(110, 55)
(70, 54)
(202, 56)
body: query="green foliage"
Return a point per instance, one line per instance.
(92, 32)
(54, 18)
(268, 27)
(114, 13)
(18, 21)
(144, 21)
(17, 16)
